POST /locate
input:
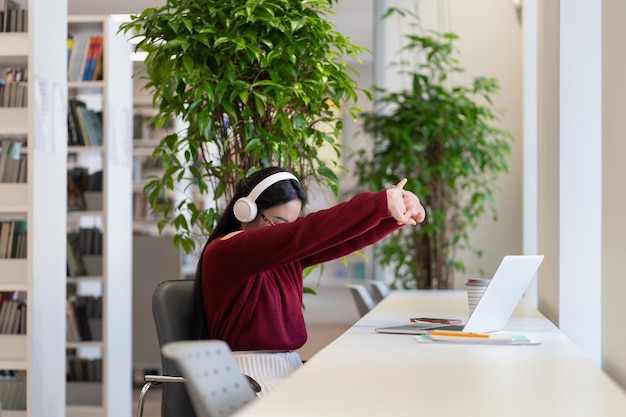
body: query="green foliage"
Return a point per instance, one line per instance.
(443, 137)
(257, 83)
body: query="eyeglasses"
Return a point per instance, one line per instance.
(266, 220)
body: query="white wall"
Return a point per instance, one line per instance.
(490, 45)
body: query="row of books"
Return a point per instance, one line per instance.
(84, 58)
(14, 88)
(13, 94)
(84, 125)
(13, 164)
(141, 206)
(12, 314)
(142, 210)
(145, 166)
(84, 252)
(13, 239)
(89, 240)
(13, 390)
(84, 318)
(80, 182)
(84, 369)
(13, 18)
(144, 128)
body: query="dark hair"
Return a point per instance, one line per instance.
(279, 193)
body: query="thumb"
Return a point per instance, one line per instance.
(402, 183)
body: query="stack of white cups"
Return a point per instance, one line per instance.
(475, 289)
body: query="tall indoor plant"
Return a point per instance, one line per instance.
(256, 83)
(444, 137)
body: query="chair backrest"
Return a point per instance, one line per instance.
(362, 298)
(214, 381)
(172, 309)
(378, 289)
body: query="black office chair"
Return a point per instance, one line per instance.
(172, 309)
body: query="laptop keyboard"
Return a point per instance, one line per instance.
(452, 327)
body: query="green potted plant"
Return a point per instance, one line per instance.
(443, 137)
(257, 83)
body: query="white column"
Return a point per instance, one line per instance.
(388, 39)
(581, 174)
(614, 191)
(530, 129)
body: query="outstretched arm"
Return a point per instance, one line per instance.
(404, 208)
(323, 235)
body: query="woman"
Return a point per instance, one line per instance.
(248, 289)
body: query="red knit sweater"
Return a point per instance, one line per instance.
(252, 281)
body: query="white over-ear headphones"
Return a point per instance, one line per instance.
(245, 208)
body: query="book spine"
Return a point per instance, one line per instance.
(99, 57)
(5, 17)
(90, 60)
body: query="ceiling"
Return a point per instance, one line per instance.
(354, 18)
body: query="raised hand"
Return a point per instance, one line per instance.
(413, 206)
(404, 206)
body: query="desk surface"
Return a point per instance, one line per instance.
(364, 373)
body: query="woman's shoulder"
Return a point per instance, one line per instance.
(231, 234)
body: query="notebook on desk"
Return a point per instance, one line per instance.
(495, 306)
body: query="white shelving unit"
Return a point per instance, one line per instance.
(145, 139)
(41, 203)
(113, 97)
(154, 259)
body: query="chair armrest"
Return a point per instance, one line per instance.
(153, 381)
(255, 385)
(159, 379)
(163, 378)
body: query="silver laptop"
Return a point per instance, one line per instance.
(495, 306)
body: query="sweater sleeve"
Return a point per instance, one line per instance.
(318, 237)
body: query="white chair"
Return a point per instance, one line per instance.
(378, 289)
(362, 298)
(215, 384)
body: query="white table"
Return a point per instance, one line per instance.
(364, 373)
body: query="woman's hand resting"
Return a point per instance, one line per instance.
(404, 206)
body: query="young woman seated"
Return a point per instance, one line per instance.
(248, 289)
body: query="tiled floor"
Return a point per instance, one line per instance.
(152, 403)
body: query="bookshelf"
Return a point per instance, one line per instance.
(145, 140)
(38, 274)
(146, 137)
(154, 259)
(101, 366)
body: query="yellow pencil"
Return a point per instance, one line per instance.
(458, 334)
